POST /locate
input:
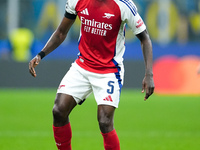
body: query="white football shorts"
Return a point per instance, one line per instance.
(80, 83)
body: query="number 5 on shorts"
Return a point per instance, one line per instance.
(110, 84)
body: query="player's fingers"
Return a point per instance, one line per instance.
(143, 87)
(152, 90)
(31, 68)
(149, 92)
(32, 71)
(142, 90)
(146, 96)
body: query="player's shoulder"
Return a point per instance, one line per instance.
(71, 3)
(70, 6)
(127, 5)
(127, 2)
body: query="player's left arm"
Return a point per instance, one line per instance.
(131, 16)
(146, 45)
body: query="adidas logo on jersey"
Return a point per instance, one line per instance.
(85, 11)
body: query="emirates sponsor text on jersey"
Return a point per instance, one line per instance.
(95, 27)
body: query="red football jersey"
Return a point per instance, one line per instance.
(102, 37)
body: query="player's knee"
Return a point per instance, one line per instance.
(105, 123)
(58, 114)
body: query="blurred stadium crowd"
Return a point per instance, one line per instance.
(174, 26)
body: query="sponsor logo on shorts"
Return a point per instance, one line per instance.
(108, 98)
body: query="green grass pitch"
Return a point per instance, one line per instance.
(161, 123)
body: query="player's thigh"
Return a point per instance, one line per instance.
(76, 84)
(107, 89)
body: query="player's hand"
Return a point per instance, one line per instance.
(148, 86)
(33, 63)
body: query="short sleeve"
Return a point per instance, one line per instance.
(70, 7)
(136, 24)
(131, 17)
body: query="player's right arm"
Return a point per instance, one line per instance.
(54, 41)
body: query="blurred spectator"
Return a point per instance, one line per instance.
(21, 41)
(5, 50)
(180, 26)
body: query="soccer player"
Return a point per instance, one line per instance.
(99, 66)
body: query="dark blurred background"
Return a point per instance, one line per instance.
(26, 25)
